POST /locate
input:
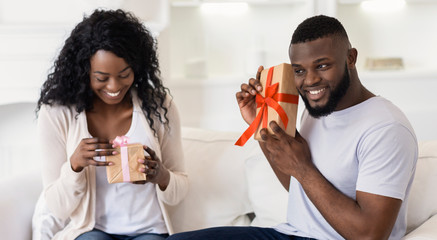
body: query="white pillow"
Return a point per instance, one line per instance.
(426, 231)
(422, 203)
(218, 189)
(17, 202)
(44, 224)
(267, 195)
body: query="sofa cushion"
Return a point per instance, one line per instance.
(267, 196)
(218, 193)
(422, 203)
(19, 194)
(426, 231)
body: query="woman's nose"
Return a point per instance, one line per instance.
(113, 84)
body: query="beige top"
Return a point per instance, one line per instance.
(69, 194)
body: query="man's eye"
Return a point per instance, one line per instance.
(322, 66)
(298, 71)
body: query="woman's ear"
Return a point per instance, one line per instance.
(352, 55)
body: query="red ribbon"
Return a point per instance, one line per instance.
(271, 99)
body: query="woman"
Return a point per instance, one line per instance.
(105, 83)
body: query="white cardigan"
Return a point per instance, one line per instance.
(69, 194)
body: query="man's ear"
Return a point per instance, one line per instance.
(352, 55)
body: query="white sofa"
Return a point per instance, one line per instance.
(230, 185)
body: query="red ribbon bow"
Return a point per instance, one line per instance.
(271, 99)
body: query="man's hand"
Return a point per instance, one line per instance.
(246, 97)
(370, 216)
(289, 155)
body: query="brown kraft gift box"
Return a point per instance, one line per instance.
(115, 172)
(282, 74)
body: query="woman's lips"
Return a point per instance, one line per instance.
(113, 94)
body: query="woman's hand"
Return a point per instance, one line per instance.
(89, 148)
(155, 171)
(246, 97)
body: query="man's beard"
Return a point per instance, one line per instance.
(335, 97)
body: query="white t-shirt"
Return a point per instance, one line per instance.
(127, 208)
(370, 147)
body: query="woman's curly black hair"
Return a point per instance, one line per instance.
(121, 33)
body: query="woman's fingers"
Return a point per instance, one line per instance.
(151, 164)
(98, 163)
(89, 151)
(92, 144)
(99, 153)
(98, 146)
(151, 152)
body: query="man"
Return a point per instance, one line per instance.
(350, 169)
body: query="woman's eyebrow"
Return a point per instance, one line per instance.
(104, 73)
(124, 69)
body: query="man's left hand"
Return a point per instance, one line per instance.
(291, 155)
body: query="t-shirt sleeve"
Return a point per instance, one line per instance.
(387, 161)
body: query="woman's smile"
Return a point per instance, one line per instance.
(111, 77)
(113, 94)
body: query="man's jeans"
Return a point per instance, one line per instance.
(235, 233)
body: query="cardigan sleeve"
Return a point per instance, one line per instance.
(173, 158)
(63, 188)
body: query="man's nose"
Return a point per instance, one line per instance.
(312, 77)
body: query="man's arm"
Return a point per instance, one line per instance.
(370, 216)
(282, 177)
(247, 104)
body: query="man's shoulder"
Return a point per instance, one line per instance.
(382, 112)
(373, 115)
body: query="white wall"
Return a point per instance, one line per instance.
(205, 57)
(225, 49)
(230, 44)
(410, 34)
(32, 33)
(210, 55)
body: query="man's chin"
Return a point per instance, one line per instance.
(319, 111)
(316, 105)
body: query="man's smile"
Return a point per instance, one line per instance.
(315, 94)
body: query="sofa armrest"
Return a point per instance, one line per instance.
(18, 196)
(426, 231)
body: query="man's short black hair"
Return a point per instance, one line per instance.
(318, 27)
